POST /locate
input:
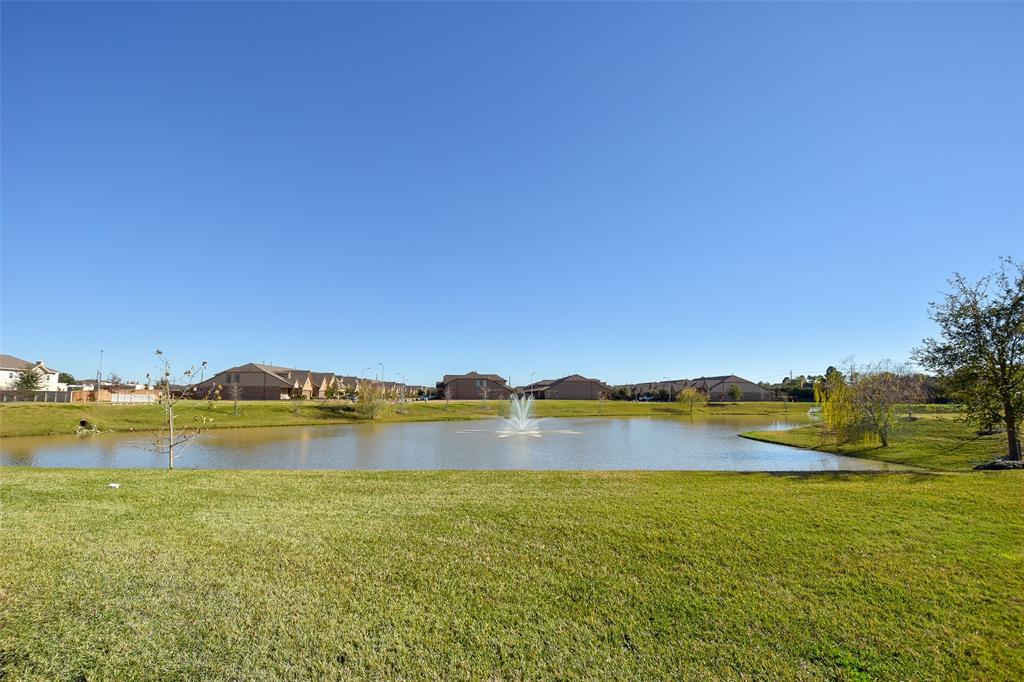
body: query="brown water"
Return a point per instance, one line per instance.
(588, 443)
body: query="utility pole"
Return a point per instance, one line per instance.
(99, 376)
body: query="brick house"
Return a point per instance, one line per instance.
(572, 387)
(473, 386)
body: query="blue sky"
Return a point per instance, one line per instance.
(628, 191)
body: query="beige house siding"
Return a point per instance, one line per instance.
(575, 390)
(255, 385)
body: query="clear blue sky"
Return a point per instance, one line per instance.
(628, 191)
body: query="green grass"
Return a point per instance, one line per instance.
(38, 419)
(459, 575)
(941, 443)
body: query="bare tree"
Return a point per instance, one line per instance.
(911, 388)
(172, 436)
(876, 391)
(860, 403)
(235, 391)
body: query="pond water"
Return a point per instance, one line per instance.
(593, 443)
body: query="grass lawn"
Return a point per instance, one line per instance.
(451, 575)
(941, 443)
(37, 419)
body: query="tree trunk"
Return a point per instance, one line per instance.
(1012, 440)
(170, 442)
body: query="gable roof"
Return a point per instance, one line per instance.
(11, 362)
(472, 375)
(545, 384)
(254, 367)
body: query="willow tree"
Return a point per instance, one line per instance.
(835, 396)
(875, 394)
(980, 353)
(692, 397)
(372, 399)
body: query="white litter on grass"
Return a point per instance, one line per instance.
(114, 485)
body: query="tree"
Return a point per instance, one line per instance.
(171, 436)
(372, 399)
(835, 396)
(981, 349)
(65, 378)
(736, 393)
(876, 390)
(235, 391)
(28, 382)
(692, 397)
(912, 389)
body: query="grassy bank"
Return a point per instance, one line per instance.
(38, 419)
(335, 575)
(941, 443)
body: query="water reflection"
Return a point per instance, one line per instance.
(592, 443)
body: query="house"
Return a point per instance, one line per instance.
(473, 386)
(720, 388)
(321, 382)
(12, 367)
(572, 387)
(255, 381)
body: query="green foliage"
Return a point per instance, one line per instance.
(65, 378)
(27, 382)
(860, 405)
(692, 397)
(942, 442)
(735, 393)
(980, 354)
(835, 396)
(372, 400)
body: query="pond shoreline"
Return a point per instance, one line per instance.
(50, 419)
(564, 444)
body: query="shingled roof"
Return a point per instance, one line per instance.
(472, 375)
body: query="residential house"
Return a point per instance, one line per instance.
(259, 382)
(322, 382)
(719, 389)
(473, 386)
(572, 387)
(12, 367)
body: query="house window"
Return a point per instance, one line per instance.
(479, 383)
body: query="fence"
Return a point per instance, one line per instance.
(35, 397)
(132, 398)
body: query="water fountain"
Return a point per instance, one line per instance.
(519, 422)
